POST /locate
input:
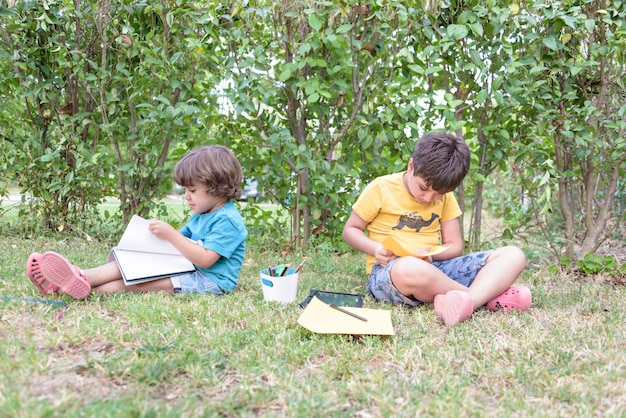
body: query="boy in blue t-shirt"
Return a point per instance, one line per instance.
(212, 178)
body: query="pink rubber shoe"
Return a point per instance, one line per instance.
(55, 269)
(514, 298)
(34, 274)
(454, 307)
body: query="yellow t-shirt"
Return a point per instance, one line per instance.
(390, 210)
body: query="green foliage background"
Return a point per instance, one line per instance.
(317, 98)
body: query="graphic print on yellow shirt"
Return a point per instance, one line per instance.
(413, 220)
(390, 210)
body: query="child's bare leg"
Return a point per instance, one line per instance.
(412, 276)
(422, 280)
(103, 274)
(500, 271)
(115, 286)
(107, 278)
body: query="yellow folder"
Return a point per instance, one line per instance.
(322, 318)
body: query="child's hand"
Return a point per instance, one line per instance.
(426, 258)
(427, 253)
(419, 254)
(161, 229)
(383, 256)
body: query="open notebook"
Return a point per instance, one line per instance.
(143, 257)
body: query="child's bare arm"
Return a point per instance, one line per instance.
(450, 235)
(193, 252)
(354, 235)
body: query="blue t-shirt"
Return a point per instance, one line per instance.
(224, 232)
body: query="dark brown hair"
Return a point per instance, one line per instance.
(442, 160)
(213, 166)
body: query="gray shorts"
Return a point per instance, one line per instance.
(461, 269)
(195, 282)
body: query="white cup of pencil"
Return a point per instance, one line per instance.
(280, 282)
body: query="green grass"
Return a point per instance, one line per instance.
(157, 355)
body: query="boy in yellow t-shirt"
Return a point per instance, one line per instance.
(417, 207)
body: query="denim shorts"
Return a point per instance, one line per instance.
(195, 282)
(461, 269)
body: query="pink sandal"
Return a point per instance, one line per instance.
(55, 269)
(34, 274)
(514, 298)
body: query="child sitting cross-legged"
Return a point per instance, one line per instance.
(419, 209)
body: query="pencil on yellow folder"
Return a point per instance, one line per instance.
(359, 317)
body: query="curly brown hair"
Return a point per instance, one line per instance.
(215, 167)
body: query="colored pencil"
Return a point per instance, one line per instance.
(300, 265)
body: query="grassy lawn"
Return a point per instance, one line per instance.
(156, 355)
(160, 355)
